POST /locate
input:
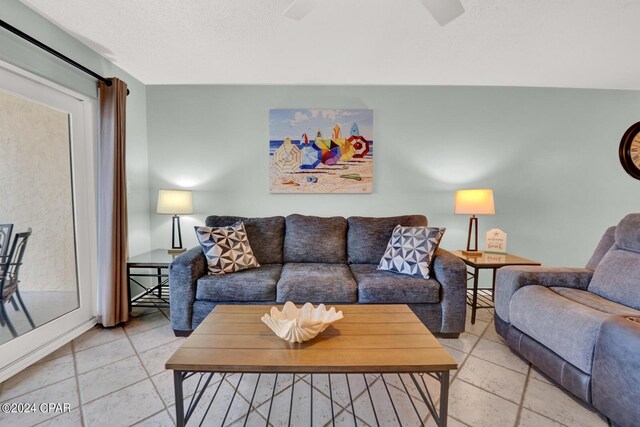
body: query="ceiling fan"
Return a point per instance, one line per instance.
(444, 11)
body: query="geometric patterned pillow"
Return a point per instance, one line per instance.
(227, 249)
(411, 250)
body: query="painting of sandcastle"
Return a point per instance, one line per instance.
(321, 151)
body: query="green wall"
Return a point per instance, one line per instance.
(549, 154)
(24, 55)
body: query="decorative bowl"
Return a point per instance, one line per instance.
(299, 325)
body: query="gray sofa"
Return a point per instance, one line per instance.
(319, 260)
(578, 325)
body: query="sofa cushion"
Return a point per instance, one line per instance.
(317, 283)
(596, 301)
(258, 284)
(628, 233)
(617, 277)
(227, 248)
(266, 235)
(566, 327)
(607, 240)
(411, 250)
(315, 239)
(367, 237)
(376, 286)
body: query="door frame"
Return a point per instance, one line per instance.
(30, 347)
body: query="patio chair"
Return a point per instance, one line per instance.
(9, 280)
(5, 239)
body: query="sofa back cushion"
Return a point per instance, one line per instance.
(617, 276)
(315, 239)
(368, 237)
(607, 240)
(628, 233)
(266, 235)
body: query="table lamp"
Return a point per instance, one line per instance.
(474, 202)
(175, 202)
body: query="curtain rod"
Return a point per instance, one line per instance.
(54, 52)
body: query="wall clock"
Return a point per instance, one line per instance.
(630, 151)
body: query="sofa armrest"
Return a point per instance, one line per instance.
(451, 273)
(510, 279)
(184, 272)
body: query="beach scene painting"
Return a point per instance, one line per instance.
(321, 150)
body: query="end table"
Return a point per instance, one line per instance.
(486, 261)
(155, 265)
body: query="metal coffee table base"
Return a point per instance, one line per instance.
(418, 380)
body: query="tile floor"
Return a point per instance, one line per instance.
(114, 377)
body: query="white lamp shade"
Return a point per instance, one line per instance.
(475, 202)
(175, 202)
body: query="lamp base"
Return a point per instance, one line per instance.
(176, 247)
(472, 253)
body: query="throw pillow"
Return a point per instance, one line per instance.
(411, 250)
(227, 248)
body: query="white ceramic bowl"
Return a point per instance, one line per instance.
(299, 325)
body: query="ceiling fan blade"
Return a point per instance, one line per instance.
(299, 9)
(444, 11)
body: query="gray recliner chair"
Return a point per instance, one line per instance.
(580, 326)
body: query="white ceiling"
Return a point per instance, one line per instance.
(556, 43)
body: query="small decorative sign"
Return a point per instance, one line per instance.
(495, 258)
(496, 241)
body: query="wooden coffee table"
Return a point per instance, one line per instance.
(371, 339)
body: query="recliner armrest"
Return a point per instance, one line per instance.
(616, 371)
(184, 272)
(510, 279)
(451, 272)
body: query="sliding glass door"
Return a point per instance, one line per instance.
(47, 217)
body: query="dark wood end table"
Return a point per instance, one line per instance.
(155, 264)
(486, 261)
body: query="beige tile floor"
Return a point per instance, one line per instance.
(116, 377)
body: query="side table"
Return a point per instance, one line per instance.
(486, 261)
(155, 265)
